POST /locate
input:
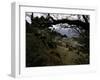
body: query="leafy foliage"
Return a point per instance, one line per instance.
(45, 47)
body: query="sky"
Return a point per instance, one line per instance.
(54, 15)
(69, 32)
(64, 31)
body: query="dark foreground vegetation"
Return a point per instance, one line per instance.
(46, 47)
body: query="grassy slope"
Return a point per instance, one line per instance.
(39, 54)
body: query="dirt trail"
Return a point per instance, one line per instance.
(67, 57)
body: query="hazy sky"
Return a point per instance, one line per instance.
(64, 31)
(55, 16)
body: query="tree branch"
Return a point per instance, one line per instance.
(84, 25)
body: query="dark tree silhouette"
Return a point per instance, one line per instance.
(49, 21)
(43, 44)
